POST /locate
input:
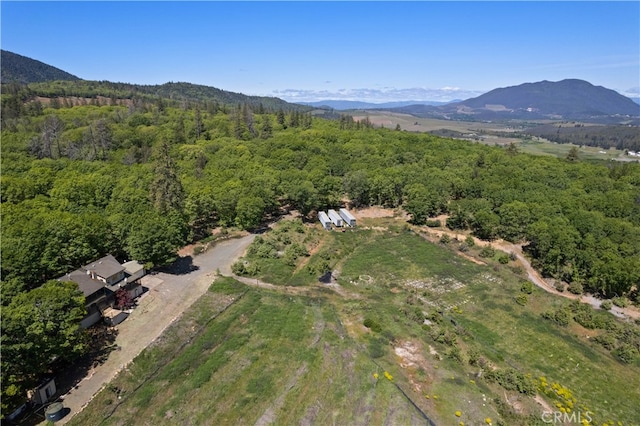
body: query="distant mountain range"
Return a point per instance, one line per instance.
(569, 99)
(20, 69)
(342, 105)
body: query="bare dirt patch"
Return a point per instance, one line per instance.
(374, 212)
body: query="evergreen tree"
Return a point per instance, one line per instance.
(280, 119)
(266, 130)
(166, 189)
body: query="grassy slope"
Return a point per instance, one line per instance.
(309, 360)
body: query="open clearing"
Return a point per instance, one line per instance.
(297, 351)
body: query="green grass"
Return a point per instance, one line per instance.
(544, 147)
(242, 354)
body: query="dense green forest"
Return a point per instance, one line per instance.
(140, 176)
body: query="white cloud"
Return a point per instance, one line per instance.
(632, 91)
(387, 94)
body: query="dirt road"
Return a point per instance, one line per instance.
(535, 277)
(168, 296)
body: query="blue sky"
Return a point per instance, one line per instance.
(370, 51)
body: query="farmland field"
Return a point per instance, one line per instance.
(489, 134)
(404, 332)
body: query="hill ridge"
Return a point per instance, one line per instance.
(22, 69)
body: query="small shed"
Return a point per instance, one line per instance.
(335, 218)
(44, 392)
(347, 217)
(324, 220)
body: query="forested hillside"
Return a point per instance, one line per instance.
(95, 175)
(20, 69)
(140, 179)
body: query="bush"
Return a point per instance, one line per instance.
(470, 241)
(433, 223)
(376, 348)
(197, 250)
(503, 258)
(455, 354)
(239, 268)
(522, 299)
(559, 285)
(512, 379)
(445, 239)
(487, 252)
(606, 305)
(526, 287)
(626, 353)
(576, 288)
(621, 302)
(606, 340)
(560, 316)
(372, 325)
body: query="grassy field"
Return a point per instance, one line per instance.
(539, 146)
(448, 332)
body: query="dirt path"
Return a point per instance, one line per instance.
(298, 291)
(169, 295)
(534, 276)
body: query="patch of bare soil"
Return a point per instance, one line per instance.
(411, 358)
(373, 212)
(545, 405)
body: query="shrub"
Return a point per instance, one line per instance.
(445, 239)
(512, 379)
(470, 241)
(526, 287)
(474, 356)
(487, 252)
(576, 288)
(606, 340)
(238, 268)
(503, 258)
(513, 257)
(560, 316)
(197, 250)
(559, 285)
(455, 354)
(372, 324)
(522, 299)
(606, 305)
(433, 223)
(626, 353)
(621, 302)
(376, 348)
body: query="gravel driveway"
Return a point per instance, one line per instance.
(168, 296)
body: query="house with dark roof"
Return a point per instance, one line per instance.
(99, 280)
